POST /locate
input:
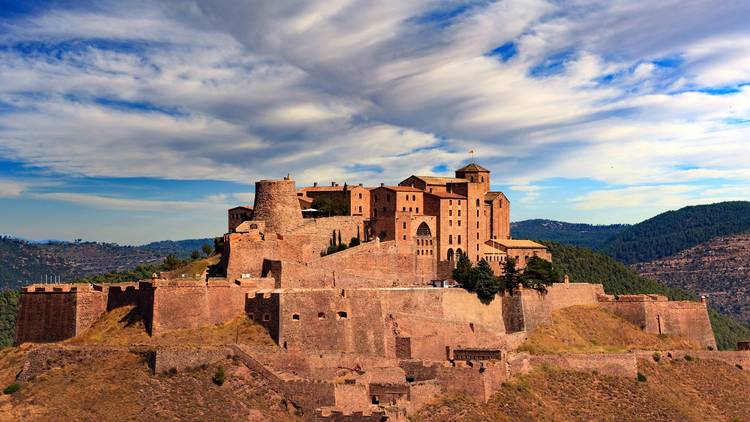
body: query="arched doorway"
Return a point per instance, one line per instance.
(450, 254)
(424, 230)
(459, 252)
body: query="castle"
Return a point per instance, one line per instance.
(371, 330)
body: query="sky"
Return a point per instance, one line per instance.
(135, 121)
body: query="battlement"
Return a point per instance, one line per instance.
(55, 288)
(633, 298)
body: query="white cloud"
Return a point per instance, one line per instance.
(11, 189)
(116, 203)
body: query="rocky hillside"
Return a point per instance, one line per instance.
(719, 268)
(588, 235)
(25, 262)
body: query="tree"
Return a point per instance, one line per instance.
(219, 244)
(463, 273)
(511, 277)
(487, 285)
(539, 274)
(340, 238)
(195, 255)
(207, 249)
(354, 242)
(171, 262)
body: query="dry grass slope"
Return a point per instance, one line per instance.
(674, 391)
(123, 327)
(591, 329)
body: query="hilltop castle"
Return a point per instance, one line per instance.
(367, 325)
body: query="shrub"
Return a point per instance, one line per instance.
(688, 358)
(172, 371)
(12, 388)
(354, 242)
(641, 377)
(220, 376)
(738, 366)
(657, 356)
(341, 247)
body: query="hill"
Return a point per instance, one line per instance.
(677, 390)
(585, 265)
(675, 231)
(25, 262)
(588, 235)
(719, 268)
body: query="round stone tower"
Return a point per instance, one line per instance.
(276, 203)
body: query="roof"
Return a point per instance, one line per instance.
(400, 188)
(489, 249)
(446, 195)
(247, 207)
(491, 196)
(517, 243)
(329, 188)
(438, 180)
(473, 167)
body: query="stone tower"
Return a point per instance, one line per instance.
(276, 203)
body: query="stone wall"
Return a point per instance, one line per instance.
(536, 308)
(616, 364)
(49, 313)
(42, 359)
(655, 314)
(181, 358)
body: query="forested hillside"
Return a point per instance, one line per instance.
(675, 231)
(25, 262)
(585, 265)
(588, 235)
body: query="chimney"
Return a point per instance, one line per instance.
(315, 184)
(382, 184)
(360, 185)
(333, 183)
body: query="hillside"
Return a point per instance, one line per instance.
(25, 262)
(585, 265)
(679, 390)
(675, 231)
(588, 235)
(719, 268)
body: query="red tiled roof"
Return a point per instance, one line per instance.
(473, 167)
(400, 188)
(247, 207)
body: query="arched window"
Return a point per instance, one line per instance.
(424, 230)
(459, 252)
(450, 254)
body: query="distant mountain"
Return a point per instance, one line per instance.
(674, 231)
(25, 262)
(719, 268)
(586, 265)
(588, 235)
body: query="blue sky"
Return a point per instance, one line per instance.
(144, 120)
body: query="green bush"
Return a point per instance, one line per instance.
(688, 358)
(738, 366)
(641, 377)
(657, 356)
(354, 242)
(220, 376)
(12, 388)
(341, 247)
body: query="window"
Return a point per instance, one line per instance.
(482, 179)
(450, 202)
(360, 208)
(450, 239)
(341, 315)
(459, 239)
(266, 317)
(459, 223)
(404, 237)
(477, 201)
(321, 315)
(414, 197)
(459, 213)
(403, 209)
(472, 178)
(477, 213)
(459, 202)
(477, 239)
(404, 224)
(295, 317)
(450, 223)
(360, 196)
(417, 210)
(450, 212)
(477, 224)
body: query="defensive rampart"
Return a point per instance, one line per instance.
(655, 314)
(55, 312)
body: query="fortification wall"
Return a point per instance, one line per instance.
(49, 313)
(654, 314)
(616, 364)
(476, 381)
(276, 204)
(304, 243)
(368, 321)
(537, 307)
(734, 358)
(119, 295)
(181, 358)
(372, 264)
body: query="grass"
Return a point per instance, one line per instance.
(591, 329)
(123, 326)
